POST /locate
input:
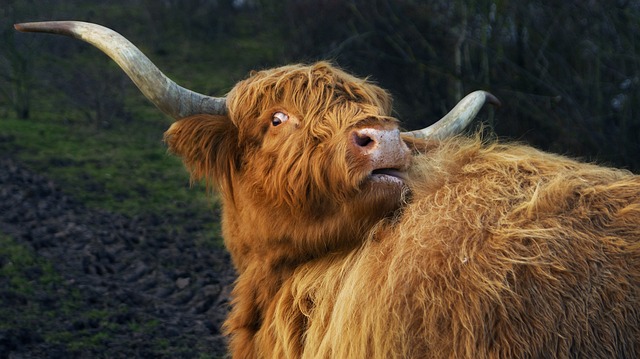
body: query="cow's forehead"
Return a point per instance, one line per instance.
(309, 90)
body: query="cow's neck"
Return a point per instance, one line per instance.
(268, 246)
(262, 234)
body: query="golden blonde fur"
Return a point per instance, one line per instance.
(493, 251)
(503, 252)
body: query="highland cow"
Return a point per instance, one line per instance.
(354, 240)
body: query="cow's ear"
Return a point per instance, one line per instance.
(208, 146)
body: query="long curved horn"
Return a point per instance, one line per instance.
(458, 118)
(169, 97)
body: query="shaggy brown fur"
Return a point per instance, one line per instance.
(493, 251)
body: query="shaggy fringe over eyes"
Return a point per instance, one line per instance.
(308, 92)
(313, 165)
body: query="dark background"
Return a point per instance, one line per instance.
(565, 71)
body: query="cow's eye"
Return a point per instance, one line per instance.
(279, 118)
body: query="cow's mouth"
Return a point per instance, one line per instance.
(388, 175)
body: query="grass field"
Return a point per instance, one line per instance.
(126, 170)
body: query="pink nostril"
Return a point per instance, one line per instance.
(362, 139)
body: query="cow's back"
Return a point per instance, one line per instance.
(502, 251)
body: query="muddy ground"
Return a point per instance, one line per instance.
(94, 284)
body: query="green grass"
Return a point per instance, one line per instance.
(21, 270)
(37, 300)
(24, 277)
(124, 170)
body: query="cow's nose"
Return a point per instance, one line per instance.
(366, 139)
(382, 148)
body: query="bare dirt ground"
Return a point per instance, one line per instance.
(103, 285)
